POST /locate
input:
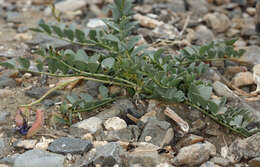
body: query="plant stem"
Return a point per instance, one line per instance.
(215, 119)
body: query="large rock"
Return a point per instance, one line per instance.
(245, 148)
(66, 145)
(219, 22)
(39, 158)
(91, 125)
(195, 154)
(157, 132)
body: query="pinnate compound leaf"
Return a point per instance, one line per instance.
(25, 63)
(69, 34)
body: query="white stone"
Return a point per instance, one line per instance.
(115, 123)
(92, 124)
(27, 144)
(95, 23)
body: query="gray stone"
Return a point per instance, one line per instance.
(39, 158)
(198, 7)
(4, 117)
(221, 161)
(12, 16)
(208, 164)
(157, 130)
(38, 92)
(194, 154)
(7, 82)
(245, 148)
(203, 35)
(119, 108)
(146, 155)
(251, 55)
(222, 90)
(92, 88)
(254, 162)
(108, 155)
(131, 133)
(96, 23)
(66, 145)
(177, 6)
(4, 147)
(91, 125)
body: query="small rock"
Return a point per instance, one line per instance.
(245, 148)
(203, 35)
(115, 123)
(165, 31)
(251, 55)
(222, 90)
(12, 16)
(208, 164)
(43, 144)
(251, 11)
(108, 155)
(147, 21)
(39, 158)
(4, 117)
(70, 5)
(131, 133)
(254, 162)
(158, 130)
(256, 76)
(219, 22)
(195, 154)
(96, 23)
(4, 147)
(5, 93)
(198, 7)
(91, 125)
(7, 82)
(146, 156)
(27, 144)
(221, 161)
(189, 140)
(88, 137)
(243, 79)
(177, 6)
(66, 145)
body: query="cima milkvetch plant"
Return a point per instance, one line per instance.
(118, 60)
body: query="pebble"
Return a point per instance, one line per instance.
(147, 21)
(158, 131)
(4, 117)
(70, 145)
(115, 123)
(6, 82)
(243, 79)
(91, 125)
(219, 22)
(194, 154)
(27, 144)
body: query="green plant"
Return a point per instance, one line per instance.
(145, 74)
